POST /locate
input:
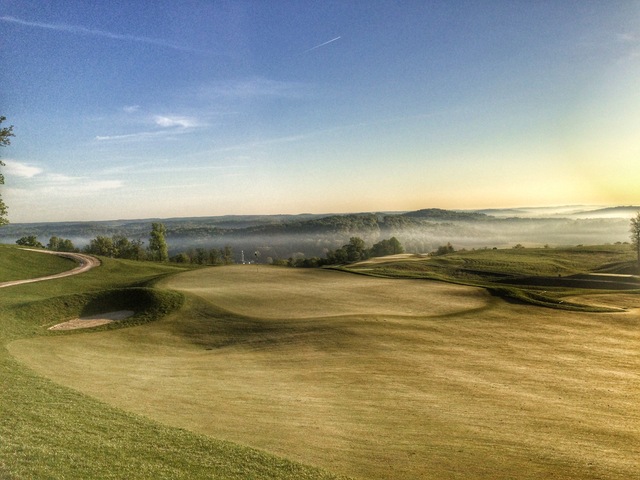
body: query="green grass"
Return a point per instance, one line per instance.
(489, 268)
(49, 431)
(483, 265)
(18, 264)
(369, 377)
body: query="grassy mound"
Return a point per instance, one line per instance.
(148, 304)
(19, 264)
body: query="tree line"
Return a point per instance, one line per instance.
(119, 246)
(354, 251)
(116, 246)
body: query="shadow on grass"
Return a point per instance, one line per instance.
(149, 304)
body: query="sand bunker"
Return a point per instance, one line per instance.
(93, 321)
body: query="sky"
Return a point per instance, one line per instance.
(158, 109)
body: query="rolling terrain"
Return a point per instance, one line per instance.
(48, 430)
(373, 377)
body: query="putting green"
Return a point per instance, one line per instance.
(371, 377)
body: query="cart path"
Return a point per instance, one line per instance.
(86, 263)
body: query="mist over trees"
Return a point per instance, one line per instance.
(282, 237)
(354, 251)
(635, 237)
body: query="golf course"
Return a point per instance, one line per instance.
(257, 371)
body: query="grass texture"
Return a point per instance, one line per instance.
(19, 264)
(51, 431)
(362, 376)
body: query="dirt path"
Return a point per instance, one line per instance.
(86, 263)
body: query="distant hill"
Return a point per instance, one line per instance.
(609, 212)
(439, 214)
(420, 231)
(568, 211)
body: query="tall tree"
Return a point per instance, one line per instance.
(356, 250)
(158, 249)
(635, 236)
(5, 134)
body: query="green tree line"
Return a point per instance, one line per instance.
(354, 251)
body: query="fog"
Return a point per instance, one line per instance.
(283, 237)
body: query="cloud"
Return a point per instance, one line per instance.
(21, 170)
(172, 124)
(79, 30)
(167, 122)
(131, 108)
(33, 181)
(73, 187)
(127, 136)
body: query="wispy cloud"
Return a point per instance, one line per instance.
(323, 44)
(21, 169)
(37, 183)
(165, 124)
(80, 30)
(129, 136)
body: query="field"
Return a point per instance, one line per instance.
(356, 375)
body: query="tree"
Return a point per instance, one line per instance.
(101, 246)
(128, 249)
(356, 250)
(444, 249)
(158, 249)
(5, 134)
(181, 258)
(29, 241)
(58, 244)
(386, 247)
(54, 243)
(635, 237)
(214, 256)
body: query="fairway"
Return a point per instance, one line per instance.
(374, 378)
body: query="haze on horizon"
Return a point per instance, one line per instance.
(171, 109)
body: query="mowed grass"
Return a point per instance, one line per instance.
(19, 264)
(486, 265)
(49, 431)
(373, 377)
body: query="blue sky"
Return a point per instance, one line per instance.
(140, 109)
